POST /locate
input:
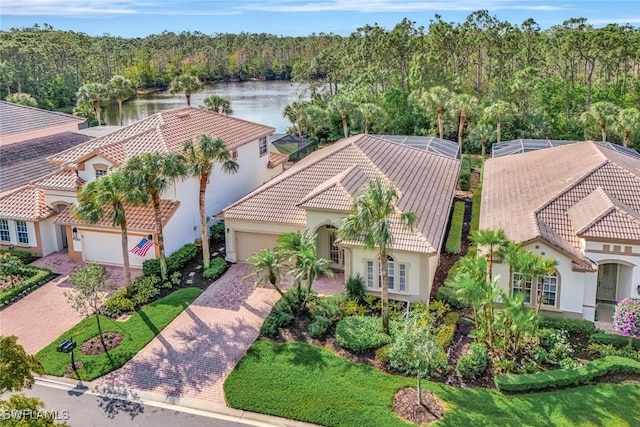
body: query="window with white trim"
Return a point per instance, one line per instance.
(369, 274)
(396, 275)
(263, 146)
(4, 231)
(23, 234)
(402, 279)
(546, 287)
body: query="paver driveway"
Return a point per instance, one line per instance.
(44, 314)
(192, 356)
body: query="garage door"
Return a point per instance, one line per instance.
(250, 243)
(106, 248)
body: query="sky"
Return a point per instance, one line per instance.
(139, 18)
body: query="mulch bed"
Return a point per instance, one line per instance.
(406, 406)
(94, 345)
(69, 371)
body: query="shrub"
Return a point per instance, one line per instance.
(39, 276)
(24, 256)
(216, 269)
(330, 307)
(453, 244)
(573, 326)
(445, 335)
(448, 295)
(626, 320)
(274, 321)
(604, 350)
(216, 231)
(118, 304)
(558, 346)
(451, 318)
(175, 261)
(614, 340)
(319, 326)
(352, 308)
(354, 288)
(566, 377)
(360, 334)
(382, 354)
(474, 363)
(464, 179)
(144, 289)
(475, 209)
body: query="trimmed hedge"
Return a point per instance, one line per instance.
(566, 377)
(615, 340)
(573, 326)
(175, 261)
(474, 363)
(475, 217)
(454, 238)
(360, 334)
(24, 256)
(464, 179)
(217, 267)
(15, 293)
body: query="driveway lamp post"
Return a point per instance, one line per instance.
(67, 346)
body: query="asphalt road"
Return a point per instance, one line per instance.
(82, 408)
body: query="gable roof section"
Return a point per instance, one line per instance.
(578, 190)
(330, 178)
(25, 204)
(16, 119)
(165, 132)
(64, 179)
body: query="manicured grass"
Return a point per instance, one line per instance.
(138, 331)
(307, 383)
(454, 238)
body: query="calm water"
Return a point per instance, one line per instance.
(257, 101)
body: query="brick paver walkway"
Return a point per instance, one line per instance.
(192, 356)
(44, 314)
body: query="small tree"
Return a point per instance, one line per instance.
(626, 319)
(16, 366)
(90, 284)
(267, 264)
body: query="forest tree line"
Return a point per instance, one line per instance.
(477, 81)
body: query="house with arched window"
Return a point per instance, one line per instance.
(578, 204)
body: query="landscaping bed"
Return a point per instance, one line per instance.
(17, 279)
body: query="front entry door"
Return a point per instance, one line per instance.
(335, 253)
(607, 282)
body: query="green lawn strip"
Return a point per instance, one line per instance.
(306, 383)
(454, 238)
(138, 331)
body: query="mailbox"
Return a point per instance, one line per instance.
(66, 346)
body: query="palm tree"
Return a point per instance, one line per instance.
(121, 89)
(95, 95)
(218, 103)
(438, 99)
(370, 221)
(294, 244)
(199, 157)
(603, 113)
(268, 265)
(497, 112)
(108, 197)
(466, 106)
(343, 108)
(185, 83)
(370, 113)
(307, 268)
(482, 133)
(495, 242)
(627, 123)
(154, 173)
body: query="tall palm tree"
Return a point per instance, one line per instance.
(95, 95)
(218, 103)
(437, 98)
(185, 83)
(627, 123)
(121, 89)
(199, 157)
(154, 173)
(370, 221)
(497, 112)
(466, 106)
(343, 108)
(268, 265)
(495, 241)
(108, 197)
(603, 114)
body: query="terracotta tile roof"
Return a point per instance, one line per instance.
(329, 178)
(557, 192)
(64, 179)
(166, 131)
(16, 119)
(25, 204)
(139, 218)
(21, 163)
(276, 159)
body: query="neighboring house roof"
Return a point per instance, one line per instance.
(16, 119)
(21, 163)
(164, 132)
(517, 146)
(561, 194)
(276, 159)
(428, 143)
(64, 179)
(25, 204)
(330, 178)
(139, 218)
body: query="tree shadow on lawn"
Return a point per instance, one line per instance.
(303, 355)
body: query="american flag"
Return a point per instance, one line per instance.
(142, 247)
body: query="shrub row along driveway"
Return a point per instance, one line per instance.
(44, 314)
(192, 356)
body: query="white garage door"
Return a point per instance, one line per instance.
(106, 248)
(249, 243)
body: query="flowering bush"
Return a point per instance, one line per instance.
(626, 320)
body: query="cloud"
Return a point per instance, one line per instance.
(599, 21)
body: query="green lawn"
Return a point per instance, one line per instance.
(138, 331)
(307, 383)
(286, 148)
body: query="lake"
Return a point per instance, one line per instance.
(257, 101)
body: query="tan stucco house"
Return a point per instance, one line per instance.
(316, 194)
(579, 204)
